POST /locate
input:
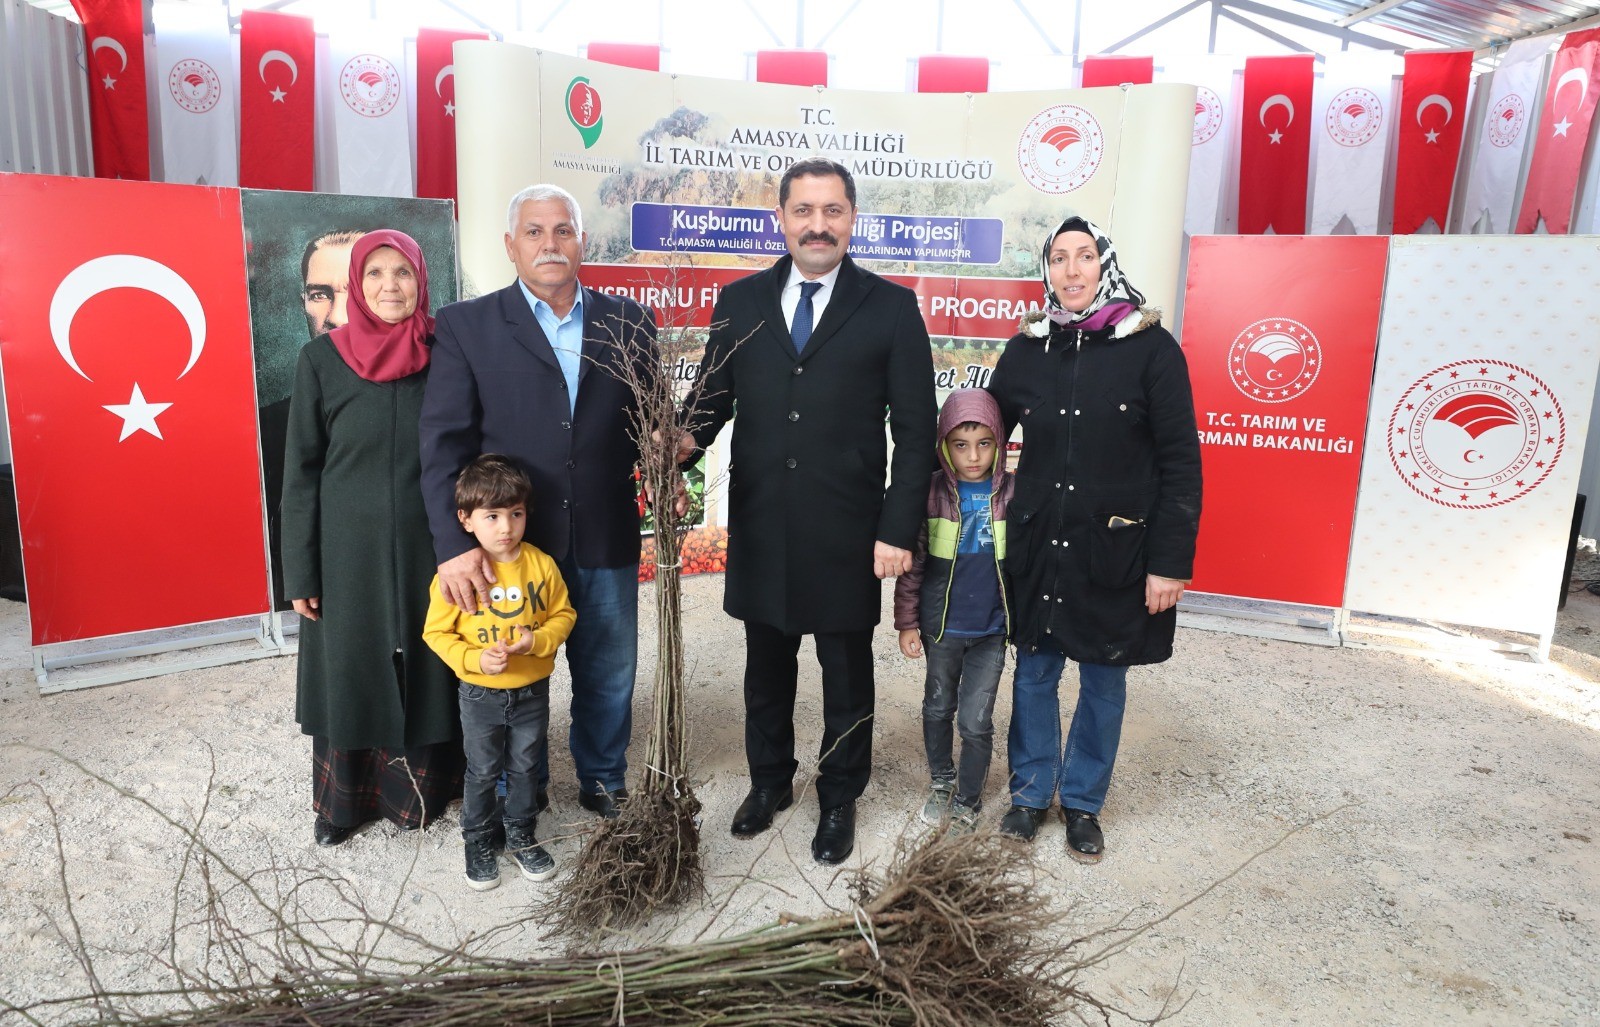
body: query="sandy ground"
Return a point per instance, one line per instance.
(1454, 876)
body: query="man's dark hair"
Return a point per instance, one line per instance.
(337, 237)
(492, 482)
(816, 167)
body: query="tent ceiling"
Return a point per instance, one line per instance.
(1469, 24)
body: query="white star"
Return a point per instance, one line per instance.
(1432, 135)
(278, 95)
(1561, 127)
(449, 110)
(1276, 136)
(137, 414)
(110, 83)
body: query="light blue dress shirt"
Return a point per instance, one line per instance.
(565, 335)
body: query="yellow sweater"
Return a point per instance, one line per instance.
(528, 595)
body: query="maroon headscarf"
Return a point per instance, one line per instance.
(375, 349)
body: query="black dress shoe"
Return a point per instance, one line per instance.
(1085, 842)
(836, 835)
(755, 813)
(607, 804)
(1021, 822)
(328, 833)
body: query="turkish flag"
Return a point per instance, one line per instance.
(119, 117)
(1569, 104)
(277, 101)
(130, 391)
(1275, 144)
(1117, 70)
(436, 112)
(1433, 114)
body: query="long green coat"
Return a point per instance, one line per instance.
(355, 533)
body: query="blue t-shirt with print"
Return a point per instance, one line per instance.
(975, 606)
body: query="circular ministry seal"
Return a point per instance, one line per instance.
(1207, 115)
(1354, 117)
(1476, 433)
(1504, 123)
(1061, 148)
(194, 85)
(370, 85)
(1274, 360)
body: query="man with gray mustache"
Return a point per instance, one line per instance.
(535, 372)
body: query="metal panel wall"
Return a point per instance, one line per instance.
(44, 104)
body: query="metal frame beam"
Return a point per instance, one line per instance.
(1300, 21)
(1051, 43)
(1158, 23)
(1285, 41)
(1368, 12)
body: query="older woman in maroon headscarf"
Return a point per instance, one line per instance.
(358, 556)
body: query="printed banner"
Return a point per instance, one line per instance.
(299, 264)
(126, 347)
(1116, 70)
(194, 64)
(119, 117)
(1569, 103)
(436, 112)
(1433, 114)
(1280, 335)
(369, 113)
(277, 101)
(1355, 105)
(1497, 163)
(1275, 144)
(1476, 434)
(1212, 139)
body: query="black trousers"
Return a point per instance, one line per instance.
(771, 673)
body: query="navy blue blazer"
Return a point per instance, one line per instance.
(495, 386)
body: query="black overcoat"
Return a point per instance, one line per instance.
(355, 535)
(495, 386)
(806, 494)
(1107, 489)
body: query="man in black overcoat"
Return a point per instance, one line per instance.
(531, 372)
(816, 354)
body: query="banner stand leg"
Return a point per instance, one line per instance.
(145, 660)
(1441, 641)
(1287, 622)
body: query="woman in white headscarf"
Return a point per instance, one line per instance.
(1102, 523)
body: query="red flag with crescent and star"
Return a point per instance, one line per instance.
(436, 112)
(130, 394)
(1433, 114)
(1275, 144)
(277, 101)
(1552, 187)
(119, 115)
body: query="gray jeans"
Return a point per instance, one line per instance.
(502, 729)
(963, 676)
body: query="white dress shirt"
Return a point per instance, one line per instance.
(790, 297)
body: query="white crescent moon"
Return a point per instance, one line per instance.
(1467, 456)
(123, 271)
(112, 45)
(1578, 75)
(1273, 371)
(278, 55)
(1273, 101)
(438, 80)
(1429, 101)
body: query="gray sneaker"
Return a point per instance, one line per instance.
(940, 793)
(536, 864)
(483, 869)
(963, 819)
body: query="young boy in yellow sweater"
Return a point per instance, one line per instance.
(503, 655)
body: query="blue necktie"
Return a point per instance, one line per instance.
(803, 316)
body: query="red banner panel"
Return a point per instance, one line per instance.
(1115, 70)
(125, 335)
(1280, 335)
(1275, 144)
(436, 111)
(119, 118)
(277, 101)
(792, 67)
(1433, 112)
(1552, 188)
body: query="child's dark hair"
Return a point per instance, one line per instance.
(969, 426)
(492, 482)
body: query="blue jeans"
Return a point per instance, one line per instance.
(1039, 765)
(963, 676)
(502, 731)
(603, 656)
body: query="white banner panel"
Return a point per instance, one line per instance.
(196, 83)
(368, 89)
(1350, 143)
(1480, 406)
(1502, 143)
(1212, 135)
